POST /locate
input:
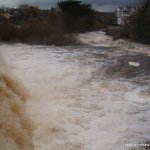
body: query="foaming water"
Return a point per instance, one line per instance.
(15, 127)
(73, 105)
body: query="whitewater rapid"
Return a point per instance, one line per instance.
(72, 105)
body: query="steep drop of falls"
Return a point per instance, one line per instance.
(73, 105)
(15, 127)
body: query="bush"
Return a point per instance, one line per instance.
(39, 32)
(35, 32)
(8, 32)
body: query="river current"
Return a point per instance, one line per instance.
(75, 103)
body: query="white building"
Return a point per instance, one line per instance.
(123, 14)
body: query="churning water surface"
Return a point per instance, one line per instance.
(73, 104)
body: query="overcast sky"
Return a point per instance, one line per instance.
(101, 5)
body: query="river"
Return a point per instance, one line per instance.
(77, 101)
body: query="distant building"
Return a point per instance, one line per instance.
(4, 13)
(123, 14)
(7, 13)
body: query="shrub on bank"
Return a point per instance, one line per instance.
(8, 32)
(35, 32)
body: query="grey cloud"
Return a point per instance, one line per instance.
(97, 4)
(112, 2)
(105, 8)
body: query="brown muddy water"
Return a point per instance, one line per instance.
(15, 125)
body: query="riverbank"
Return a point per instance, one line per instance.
(132, 46)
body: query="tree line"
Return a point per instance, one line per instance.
(55, 26)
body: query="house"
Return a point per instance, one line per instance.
(123, 14)
(5, 13)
